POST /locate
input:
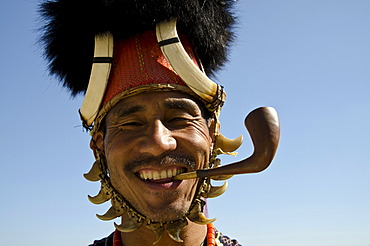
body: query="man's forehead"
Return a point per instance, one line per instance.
(166, 100)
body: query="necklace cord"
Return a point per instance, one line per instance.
(211, 236)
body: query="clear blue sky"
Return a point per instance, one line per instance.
(308, 59)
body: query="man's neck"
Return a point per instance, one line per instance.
(192, 235)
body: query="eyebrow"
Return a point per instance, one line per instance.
(127, 110)
(170, 104)
(181, 104)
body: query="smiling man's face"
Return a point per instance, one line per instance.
(150, 138)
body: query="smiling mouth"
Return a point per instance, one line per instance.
(163, 174)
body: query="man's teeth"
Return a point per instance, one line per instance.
(164, 174)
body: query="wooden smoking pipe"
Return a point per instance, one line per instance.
(264, 129)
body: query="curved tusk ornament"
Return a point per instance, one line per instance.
(227, 144)
(94, 173)
(111, 214)
(264, 129)
(174, 228)
(158, 230)
(197, 216)
(129, 226)
(184, 66)
(216, 191)
(104, 195)
(102, 62)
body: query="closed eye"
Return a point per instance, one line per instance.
(132, 124)
(179, 122)
(178, 119)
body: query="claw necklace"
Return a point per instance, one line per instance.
(211, 236)
(136, 219)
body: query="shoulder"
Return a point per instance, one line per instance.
(107, 241)
(223, 240)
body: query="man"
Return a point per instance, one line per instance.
(152, 111)
(150, 138)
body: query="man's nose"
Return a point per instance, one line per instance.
(158, 139)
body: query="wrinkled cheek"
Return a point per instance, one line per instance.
(120, 182)
(111, 142)
(190, 193)
(203, 157)
(203, 144)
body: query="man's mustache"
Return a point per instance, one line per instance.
(166, 160)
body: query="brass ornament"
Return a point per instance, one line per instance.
(94, 173)
(131, 225)
(174, 228)
(105, 193)
(196, 214)
(111, 214)
(215, 191)
(119, 206)
(183, 176)
(158, 229)
(226, 144)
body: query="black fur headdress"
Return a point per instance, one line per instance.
(71, 25)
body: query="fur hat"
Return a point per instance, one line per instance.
(71, 25)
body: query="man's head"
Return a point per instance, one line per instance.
(155, 121)
(151, 107)
(149, 138)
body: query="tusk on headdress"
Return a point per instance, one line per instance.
(102, 62)
(263, 127)
(227, 144)
(183, 65)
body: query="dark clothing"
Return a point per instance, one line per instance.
(108, 241)
(224, 240)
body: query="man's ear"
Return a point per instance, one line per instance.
(213, 127)
(97, 143)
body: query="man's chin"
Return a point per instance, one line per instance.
(166, 214)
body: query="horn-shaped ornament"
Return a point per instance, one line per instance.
(197, 216)
(94, 173)
(112, 213)
(104, 195)
(215, 191)
(227, 144)
(158, 230)
(100, 71)
(130, 225)
(174, 228)
(184, 66)
(264, 129)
